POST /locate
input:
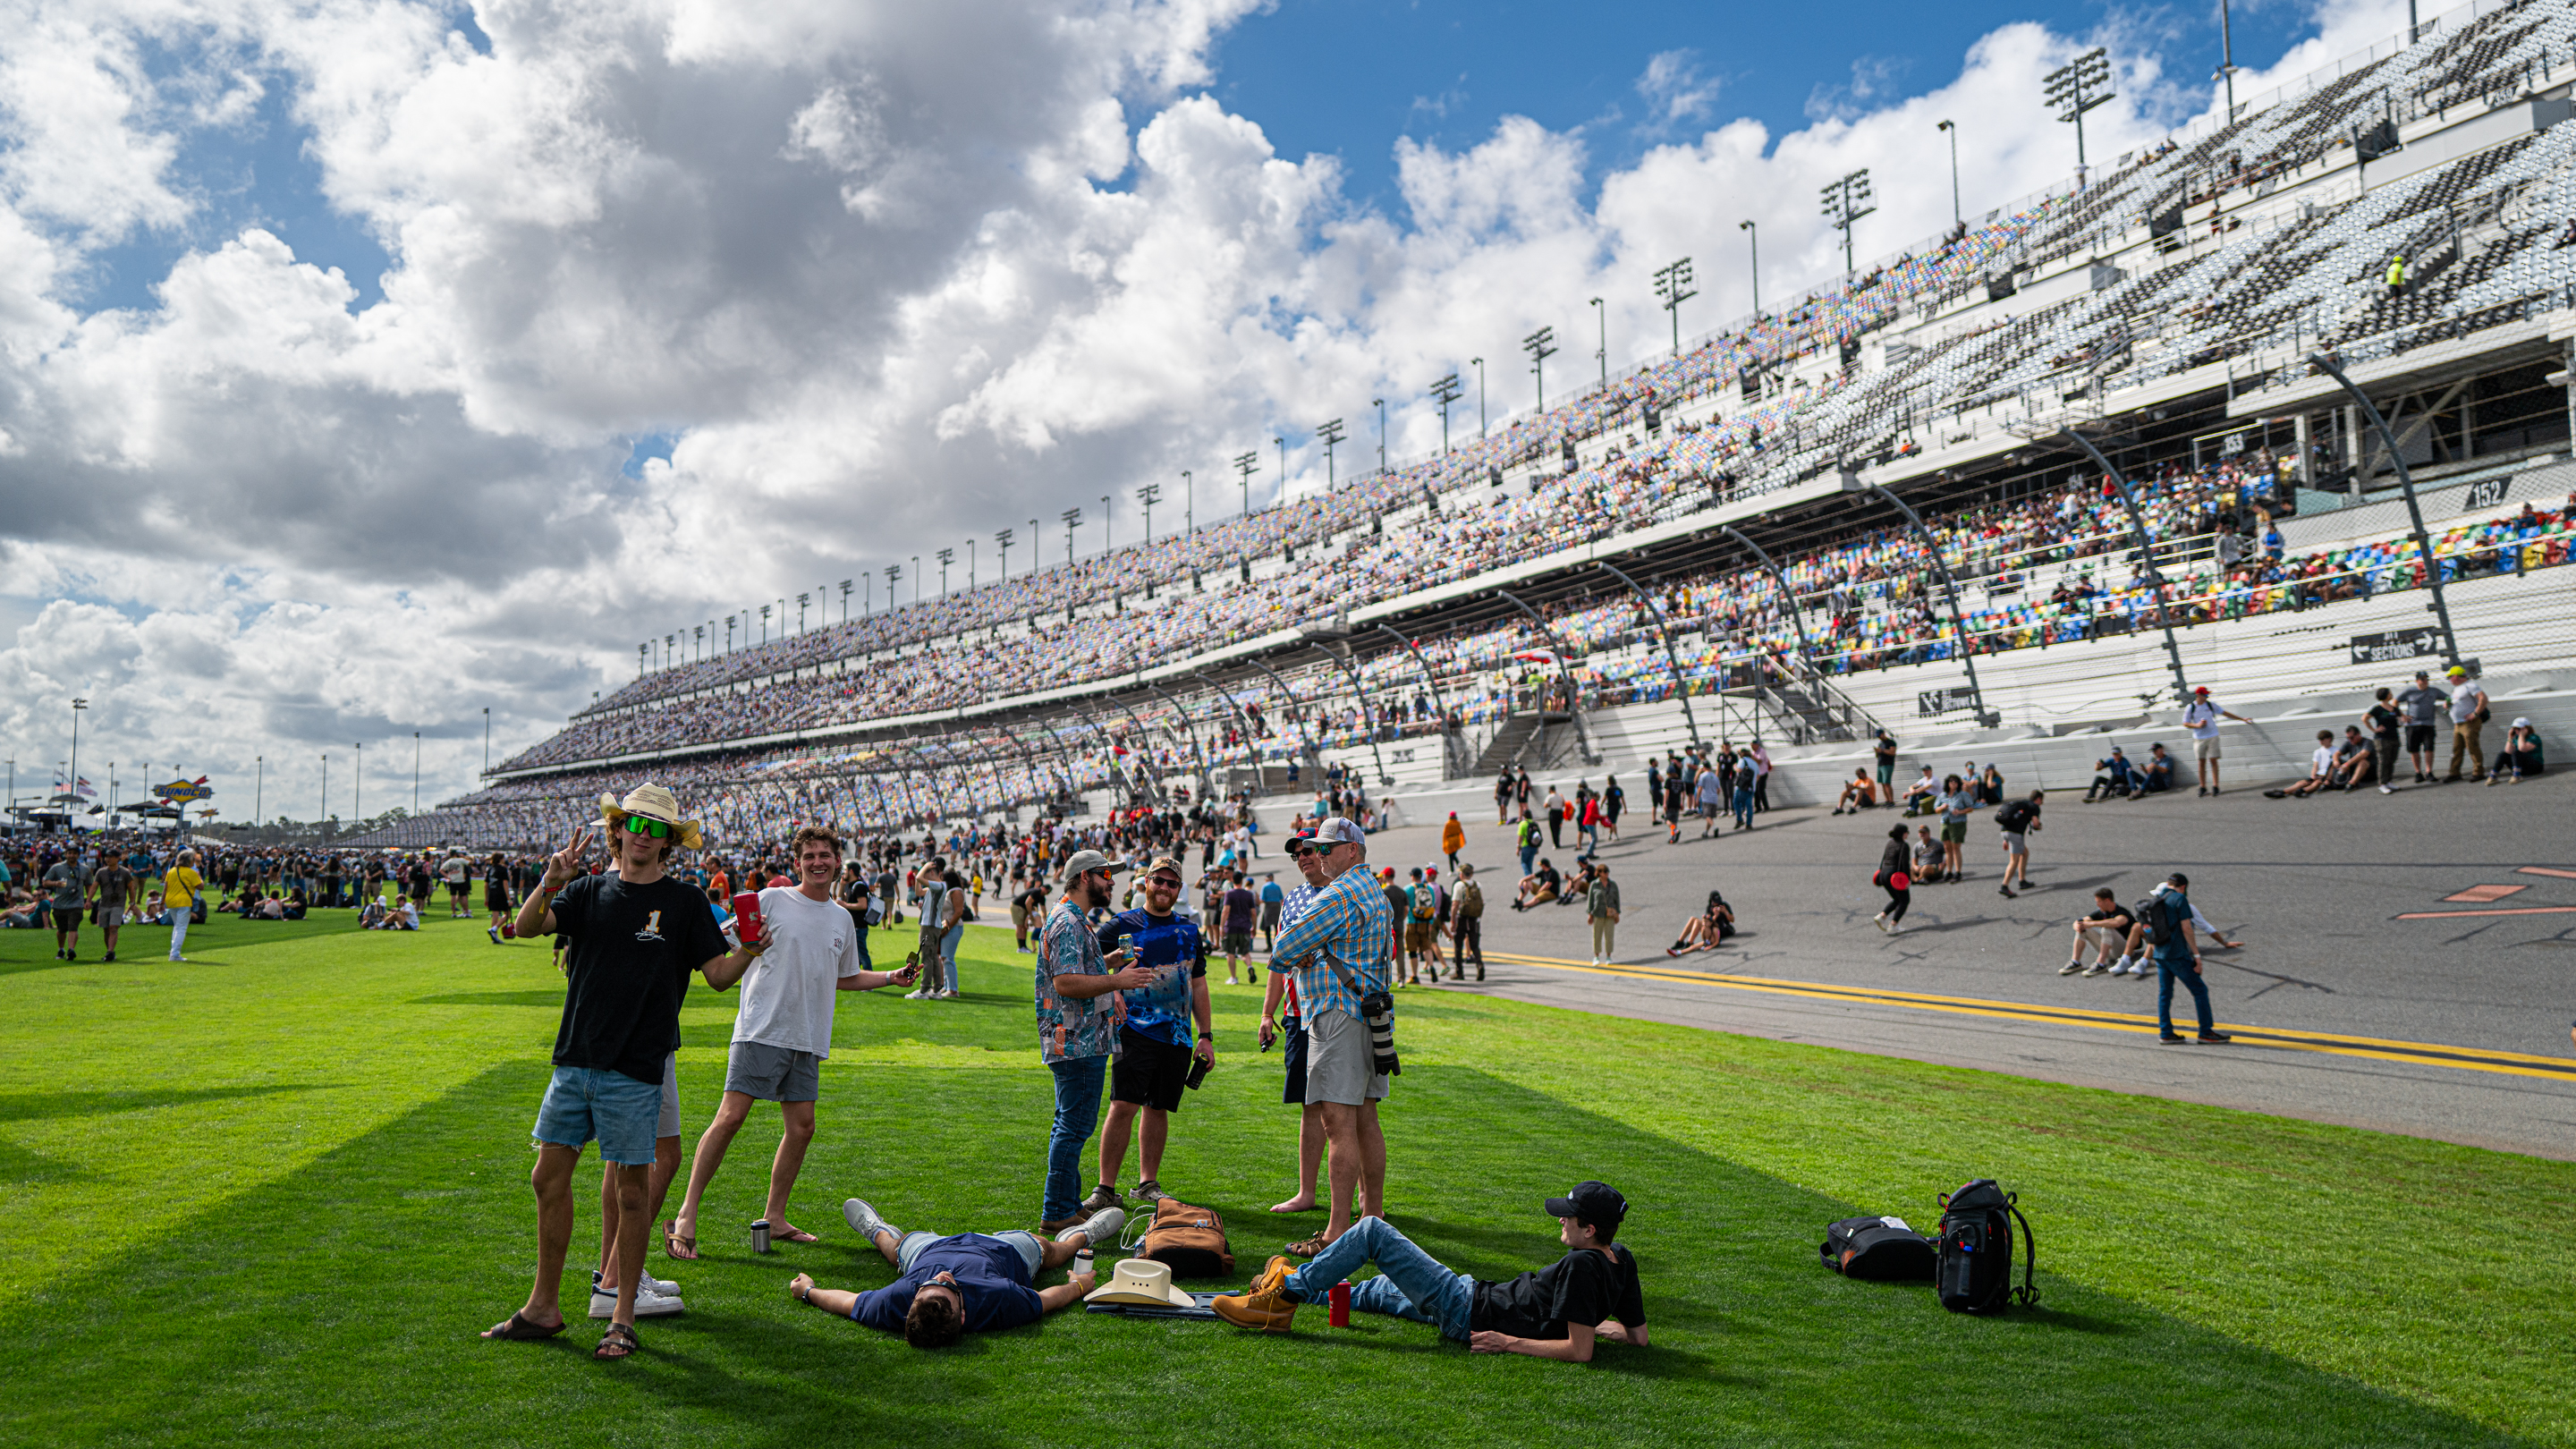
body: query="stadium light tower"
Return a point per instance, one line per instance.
(1330, 435)
(970, 563)
(916, 583)
(1003, 537)
(1601, 354)
(1958, 217)
(1445, 392)
(946, 556)
(1540, 345)
(728, 633)
(1147, 496)
(2227, 49)
(801, 601)
(698, 640)
(71, 781)
(764, 623)
(643, 652)
(1847, 201)
(1479, 365)
(1072, 521)
(1673, 286)
(1753, 239)
(1380, 404)
(1189, 503)
(845, 601)
(1245, 465)
(2084, 83)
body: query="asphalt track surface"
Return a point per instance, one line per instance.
(2408, 961)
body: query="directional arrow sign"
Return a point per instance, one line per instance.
(2401, 644)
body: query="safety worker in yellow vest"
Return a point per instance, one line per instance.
(2396, 275)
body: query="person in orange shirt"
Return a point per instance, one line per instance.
(1453, 838)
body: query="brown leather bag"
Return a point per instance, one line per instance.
(1190, 1240)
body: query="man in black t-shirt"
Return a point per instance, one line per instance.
(1590, 1295)
(637, 934)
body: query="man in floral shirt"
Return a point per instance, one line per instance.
(1077, 1020)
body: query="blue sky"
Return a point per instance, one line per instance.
(1348, 77)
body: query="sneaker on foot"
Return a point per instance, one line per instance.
(1880, 920)
(647, 1305)
(1099, 1228)
(110, 956)
(494, 932)
(2215, 1038)
(2171, 1039)
(2385, 790)
(2071, 967)
(2098, 970)
(2005, 891)
(864, 1220)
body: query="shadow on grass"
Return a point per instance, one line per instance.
(44, 1106)
(550, 999)
(331, 1306)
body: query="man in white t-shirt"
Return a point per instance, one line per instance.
(2201, 717)
(457, 872)
(783, 1030)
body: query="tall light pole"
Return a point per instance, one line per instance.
(1282, 445)
(1957, 216)
(1601, 354)
(322, 812)
(1245, 465)
(1189, 502)
(258, 783)
(1330, 435)
(1072, 521)
(2227, 49)
(1673, 287)
(1147, 496)
(764, 625)
(1380, 404)
(415, 773)
(970, 563)
(845, 603)
(1003, 537)
(1753, 241)
(73, 783)
(946, 556)
(1479, 364)
(1445, 392)
(358, 783)
(916, 582)
(2085, 82)
(487, 739)
(1846, 201)
(801, 600)
(1540, 345)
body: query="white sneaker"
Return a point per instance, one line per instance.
(1879, 920)
(2384, 790)
(918, 993)
(864, 1221)
(1896, 928)
(647, 1283)
(1101, 1227)
(647, 1305)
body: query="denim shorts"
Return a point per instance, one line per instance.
(592, 1103)
(1023, 1241)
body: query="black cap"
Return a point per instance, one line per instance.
(2178, 878)
(1596, 1203)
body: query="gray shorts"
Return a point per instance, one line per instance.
(1238, 943)
(2015, 843)
(1340, 1061)
(110, 917)
(773, 1073)
(669, 1125)
(1020, 1238)
(2205, 749)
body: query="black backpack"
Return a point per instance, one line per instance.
(1881, 1250)
(1975, 1272)
(2015, 817)
(2151, 914)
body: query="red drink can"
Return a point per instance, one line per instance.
(1340, 1298)
(746, 916)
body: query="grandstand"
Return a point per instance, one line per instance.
(1696, 549)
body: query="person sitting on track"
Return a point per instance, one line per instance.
(1859, 793)
(1562, 1311)
(966, 1283)
(1928, 855)
(1708, 930)
(2107, 929)
(1539, 886)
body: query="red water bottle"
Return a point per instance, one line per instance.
(1340, 1298)
(746, 917)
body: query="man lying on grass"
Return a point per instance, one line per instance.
(968, 1283)
(1560, 1311)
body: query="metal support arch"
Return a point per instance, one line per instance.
(1368, 720)
(1187, 729)
(2414, 509)
(1145, 742)
(1950, 592)
(2147, 558)
(1672, 656)
(1223, 693)
(1314, 756)
(1439, 701)
(1779, 580)
(1096, 728)
(1573, 700)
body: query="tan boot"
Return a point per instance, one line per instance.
(1264, 1305)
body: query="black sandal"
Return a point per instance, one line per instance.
(621, 1338)
(520, 1330)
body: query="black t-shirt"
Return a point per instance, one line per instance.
(633, 947)
(1581, 1287)
(2382, 720)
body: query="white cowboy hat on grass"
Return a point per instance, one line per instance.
(1141, 1281)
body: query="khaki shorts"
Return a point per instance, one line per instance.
(1340, 1062)
(1417, 935)
(2205, 749)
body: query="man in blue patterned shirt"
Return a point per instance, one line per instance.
(1077, 1020)
(1337, 952)
(1155, 1045)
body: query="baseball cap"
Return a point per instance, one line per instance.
(1597, 1203)
(1165, 862)
(2200, 689)
(1296, 843)
(1083, 862)
(2522, 723)
(1335, 830)
(2456, 672)
(2420, 674)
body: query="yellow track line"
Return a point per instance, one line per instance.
(2476, 1059)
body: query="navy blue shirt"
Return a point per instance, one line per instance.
(992, 1278)
(1162, 1010)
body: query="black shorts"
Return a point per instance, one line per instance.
(1295, 1096)
(1148, 1072)
(2419, 738)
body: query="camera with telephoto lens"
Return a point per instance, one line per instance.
(1378, 1009)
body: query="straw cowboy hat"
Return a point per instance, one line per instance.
(653, 803)
(1141, 1281)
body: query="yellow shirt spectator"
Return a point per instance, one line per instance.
(179, 887)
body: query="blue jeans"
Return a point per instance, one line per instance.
(2170, 969)
(1744, 807)
(1077, 1112)
(1529, 858)
(948, 953)
(1410, 1282)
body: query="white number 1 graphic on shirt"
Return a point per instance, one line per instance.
(653, 924)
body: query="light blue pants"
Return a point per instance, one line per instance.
(1410, 1282)
(178, 923)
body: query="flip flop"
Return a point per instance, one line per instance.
(684, 1249)
(618, 1342)
(790, 1233)
(520, 1330)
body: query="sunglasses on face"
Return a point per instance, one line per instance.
(1165, 882)
(655, 828)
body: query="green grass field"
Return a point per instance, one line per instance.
(270, 1197)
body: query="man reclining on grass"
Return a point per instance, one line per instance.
(1560, 1311)
(969, 1283)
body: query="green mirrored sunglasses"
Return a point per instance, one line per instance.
(655, 828)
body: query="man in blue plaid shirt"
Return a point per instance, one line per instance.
(1342, 935)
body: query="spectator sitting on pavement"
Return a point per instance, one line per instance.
(2159, 770)
(2107, 929)
(2352, 759)
(2138, 960)
(1928, 855)
(2520, 755)
(2321, 770)
(1990, 786)
(1859, 793)
(2113, 776)
(1539, 886)
(1578, 891)
(1707, 930)
(1922, 794)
